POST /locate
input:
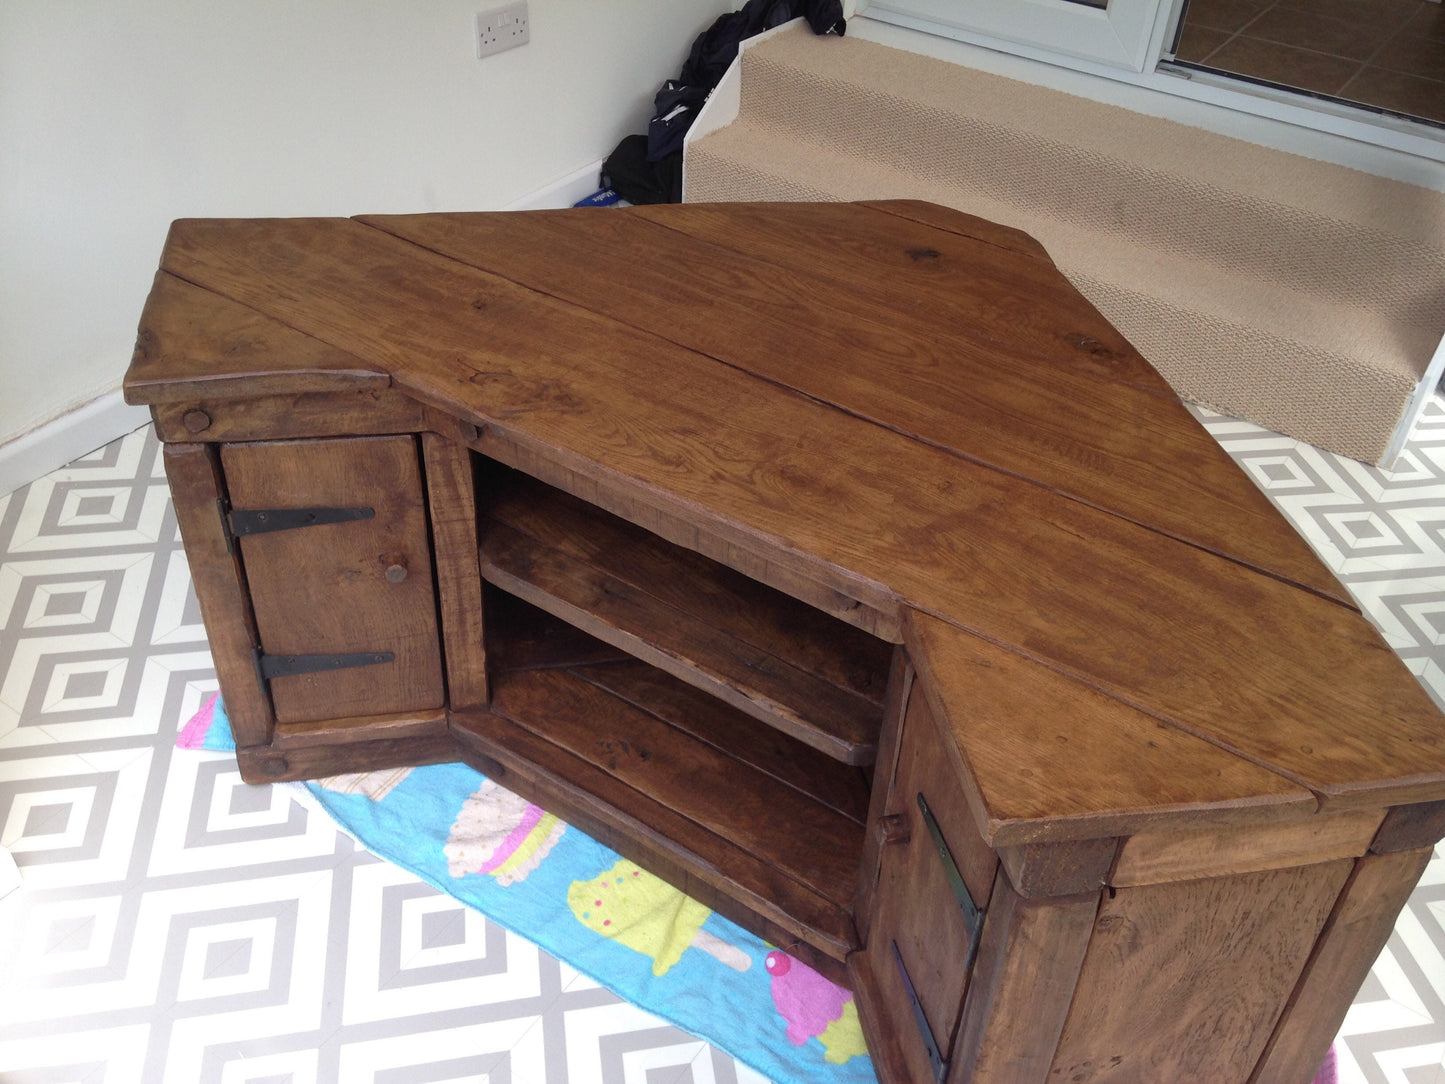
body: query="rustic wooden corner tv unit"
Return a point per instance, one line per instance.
(838, 562)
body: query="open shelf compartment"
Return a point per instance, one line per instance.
(755, 824)
(777, 659)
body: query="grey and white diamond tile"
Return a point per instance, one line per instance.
(471, 1052)
(117, 1053)
(209, 821)
(608, 1040)
(403, 959)
(73, 821)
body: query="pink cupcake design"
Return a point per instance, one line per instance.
(815, 1008)
(500, 834)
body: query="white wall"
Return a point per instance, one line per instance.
(117, 116)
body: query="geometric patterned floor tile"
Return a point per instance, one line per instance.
(178, 925)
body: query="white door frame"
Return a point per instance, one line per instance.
(1118, 36)
(1125, 44)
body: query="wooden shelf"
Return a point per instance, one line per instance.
(760, 827)
(780, 661)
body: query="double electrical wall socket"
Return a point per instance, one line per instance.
(499, 29)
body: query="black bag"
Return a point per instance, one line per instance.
(630, 173)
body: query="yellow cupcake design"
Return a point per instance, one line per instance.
(645, 913)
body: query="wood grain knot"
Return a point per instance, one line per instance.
(1092, 347)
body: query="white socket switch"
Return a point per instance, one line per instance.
(499, 29)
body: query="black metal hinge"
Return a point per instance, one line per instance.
(248, 521)
(274, 666)
(242, 522)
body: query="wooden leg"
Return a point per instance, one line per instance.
(1028, 961)
(1356, 931)
(194, 473)
(459, 579)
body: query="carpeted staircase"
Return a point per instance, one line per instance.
(1303, 296)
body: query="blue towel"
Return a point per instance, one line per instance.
(603, 915)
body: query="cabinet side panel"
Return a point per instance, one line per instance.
(194, 473)
(363, 586)
(452, 498)
(1356, 931)
(1206, 967)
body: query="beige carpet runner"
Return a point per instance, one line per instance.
(1306, 297)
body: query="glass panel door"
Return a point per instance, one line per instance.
(1384, 55)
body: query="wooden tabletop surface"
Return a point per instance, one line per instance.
(904, 403)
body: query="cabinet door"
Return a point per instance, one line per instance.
(920, 929)
(360, 586)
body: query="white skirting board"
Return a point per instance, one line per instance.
(70, 436)
(563, 192)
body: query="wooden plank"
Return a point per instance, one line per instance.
(1001, 359)
(900, 688)
(360, 728)
(193, 343)
(864, 605)
(751, 612)
(1276, 674)
(694, 650)
(1208, 966)
(918, 916)
(1074, 868)
(842, 788)
(1037, 753)
(919, 919)
(194, 474)
(331, 588)
(764, 896)
(451, 499)
(266, 764)
(815, 845)
(293, 416)
(925, 768)
(1152, 857)
(1407, 827)
(918, 923)
(1354, 935)
(1029, 960)
(965, 225)
(975, 294)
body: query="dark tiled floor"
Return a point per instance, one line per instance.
(1384, 53)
